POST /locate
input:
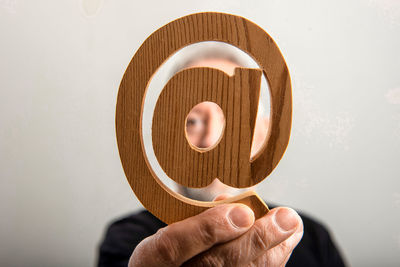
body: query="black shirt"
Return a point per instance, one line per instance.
(316, 248)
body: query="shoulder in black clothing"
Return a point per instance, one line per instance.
(122, 236)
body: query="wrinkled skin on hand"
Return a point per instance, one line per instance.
(226, 235)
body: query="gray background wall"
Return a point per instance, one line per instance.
(60, 67)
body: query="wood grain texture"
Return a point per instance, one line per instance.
(229, 160)
(154, 195)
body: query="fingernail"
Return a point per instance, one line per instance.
(241, 216)
(286, 219)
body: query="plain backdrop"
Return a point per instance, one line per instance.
(61, 62)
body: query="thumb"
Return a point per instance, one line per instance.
(178, 242)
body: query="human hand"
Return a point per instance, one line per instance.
(226, 235)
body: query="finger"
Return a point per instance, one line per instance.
(180, 241)
(267, 232)
(280, 254)
(222, 197)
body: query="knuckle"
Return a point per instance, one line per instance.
(165, 248)
(259, 238)
(207, 234)
(286, 246)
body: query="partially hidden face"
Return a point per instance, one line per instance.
(205, 125)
